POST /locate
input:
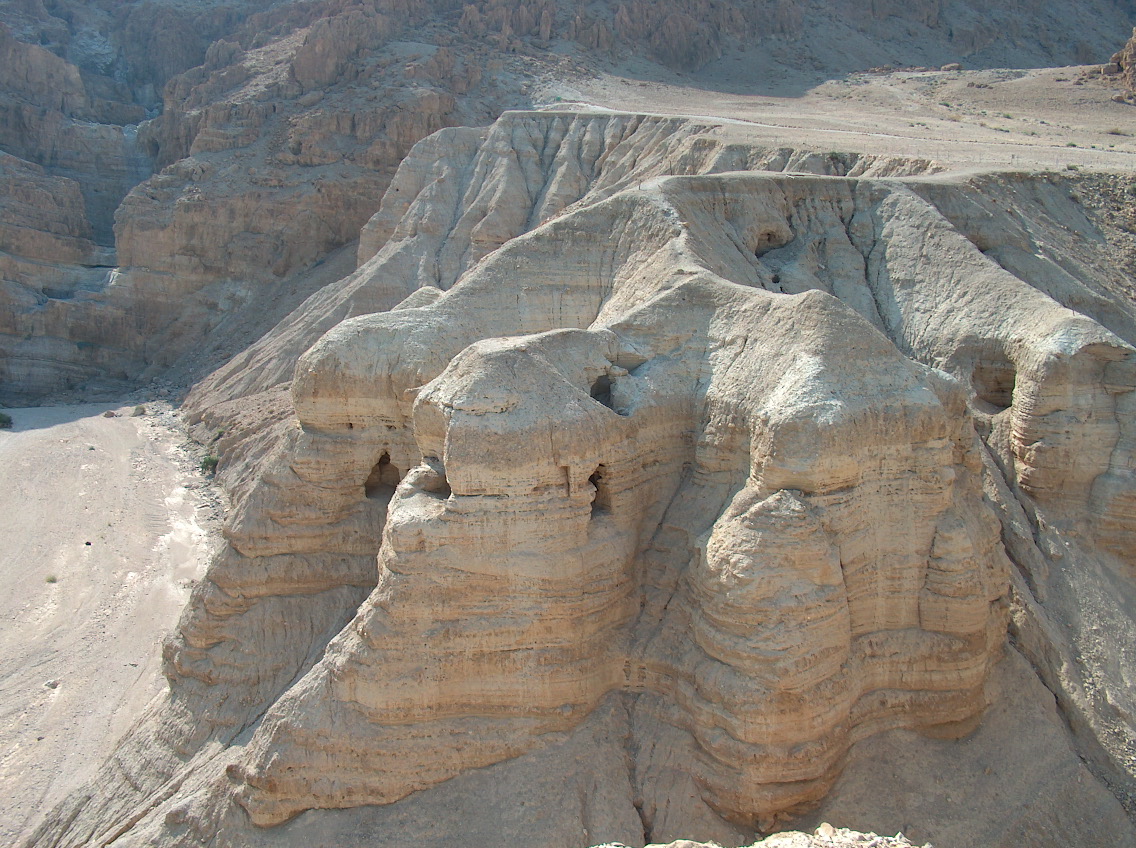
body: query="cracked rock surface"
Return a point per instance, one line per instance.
(635, 476)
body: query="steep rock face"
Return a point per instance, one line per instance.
(1123, 63)
(50, 118)
(280, 127)
(444, 211)
(690, 481)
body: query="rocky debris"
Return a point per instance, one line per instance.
(1122, 68)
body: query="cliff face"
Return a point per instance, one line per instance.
(623, 469)
(226, 148)
(680, 479)
(1123, 64)
(273, 152)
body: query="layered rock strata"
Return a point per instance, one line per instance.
(276, 128)
(690, 481)
(1122, 65)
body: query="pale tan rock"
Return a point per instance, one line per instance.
(672, 442)
(1123, 63)
(335, 393)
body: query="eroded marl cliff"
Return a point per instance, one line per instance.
(678, 485)
(274, 129)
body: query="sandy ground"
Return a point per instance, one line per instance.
(104, 524)
(1040, 119)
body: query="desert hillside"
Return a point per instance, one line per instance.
(621, 423)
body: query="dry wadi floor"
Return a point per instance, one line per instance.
(101, 536)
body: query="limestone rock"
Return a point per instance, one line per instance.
(1123, 63)
(721, 471)
(617, 474)
(278, 128)
(42, 216)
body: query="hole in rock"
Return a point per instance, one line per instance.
(601, 500)
(383, 479)
(994, 383)
(601, 390)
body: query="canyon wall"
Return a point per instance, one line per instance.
(633, 481)
(226, 150)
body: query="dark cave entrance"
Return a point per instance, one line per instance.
(601, 500)
(382, 480)
(994, 383)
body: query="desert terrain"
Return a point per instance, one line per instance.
(612, 446)
(104, 530)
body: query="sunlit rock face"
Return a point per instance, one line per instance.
(625, 480)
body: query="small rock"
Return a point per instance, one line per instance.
(110, 413)
(52, 684)
(951, 66)
(826, 830)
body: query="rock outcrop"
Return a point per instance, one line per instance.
(274, 131)
(678, 476)
(624, 471)
(273, 153)
(1122, 66)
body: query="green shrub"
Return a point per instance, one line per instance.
(209, 464)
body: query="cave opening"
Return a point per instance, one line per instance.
(382, 480)
(601, 500)
(601, 390)
(994, 383)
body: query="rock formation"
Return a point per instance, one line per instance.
(1122, 66)
(680, 478)
(624, 471)
(254, 140)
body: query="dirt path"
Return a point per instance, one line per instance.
(100, 539)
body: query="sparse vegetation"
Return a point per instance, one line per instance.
(139, 411)
(51, 578)
(209, 464)
(1116, 131)
(5, 421)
